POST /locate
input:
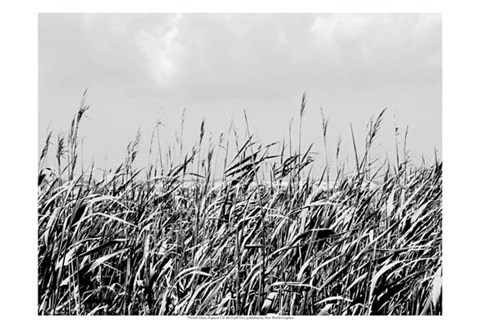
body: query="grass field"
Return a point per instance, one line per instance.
(262, 237)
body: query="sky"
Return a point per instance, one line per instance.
(141, 68)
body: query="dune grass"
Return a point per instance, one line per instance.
(175, 240)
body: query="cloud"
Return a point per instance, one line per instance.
(211, 56)
(373, 48)
(161, 49)
(327, 27)
(215, 55)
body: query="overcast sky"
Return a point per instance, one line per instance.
(143, 67)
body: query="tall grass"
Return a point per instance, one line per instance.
(267, 238)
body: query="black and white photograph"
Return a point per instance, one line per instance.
(240, 164)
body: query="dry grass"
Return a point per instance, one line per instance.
(176, 242)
